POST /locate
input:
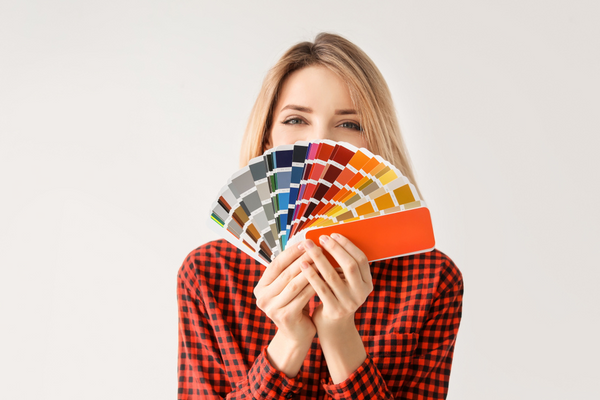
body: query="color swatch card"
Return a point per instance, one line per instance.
(307, 189)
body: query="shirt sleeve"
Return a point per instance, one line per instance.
(201, 370)
(364, 383)
(429, 370)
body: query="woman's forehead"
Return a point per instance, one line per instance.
(316, 88)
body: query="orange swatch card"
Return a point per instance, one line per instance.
(385, 236)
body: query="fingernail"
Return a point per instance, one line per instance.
(323, 239)
(301, 247)
(304, 265)
(335, 236)
(309, 244)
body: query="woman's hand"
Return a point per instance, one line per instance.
(282, 293)
(340, 341)
(341, 296)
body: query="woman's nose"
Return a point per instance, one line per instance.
(322, 132)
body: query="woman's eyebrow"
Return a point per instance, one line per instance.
(297, 108)
(309, 110)
(345, 112)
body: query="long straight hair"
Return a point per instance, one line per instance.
(368, 90)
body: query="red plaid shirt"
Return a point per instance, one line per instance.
(408, 325)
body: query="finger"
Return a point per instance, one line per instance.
(279, 264)
(321, 288)
(357, 254)
(329, 274)
(289, 273)
(290, 291)
(300, 302)
(281, 281)
(348, 264)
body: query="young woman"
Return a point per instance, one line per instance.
(299, 328)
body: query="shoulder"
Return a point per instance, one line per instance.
(441, 263)
(435, 273)
(432, 268)
(450, 276)
(213, 261)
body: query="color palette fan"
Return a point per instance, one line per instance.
(305, 190)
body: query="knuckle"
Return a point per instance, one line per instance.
(362, 259)
(287, 277)
(329, 277)
(261, 303)
(352, 267)
(284, 316)
(293, 286)
(271, 313)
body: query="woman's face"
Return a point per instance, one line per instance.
(314, 104)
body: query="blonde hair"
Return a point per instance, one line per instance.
(368, 90)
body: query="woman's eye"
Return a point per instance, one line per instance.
(350, 125)
(293, 121)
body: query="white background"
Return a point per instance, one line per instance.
(121, 120)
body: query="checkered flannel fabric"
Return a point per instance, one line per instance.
(408, 325)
